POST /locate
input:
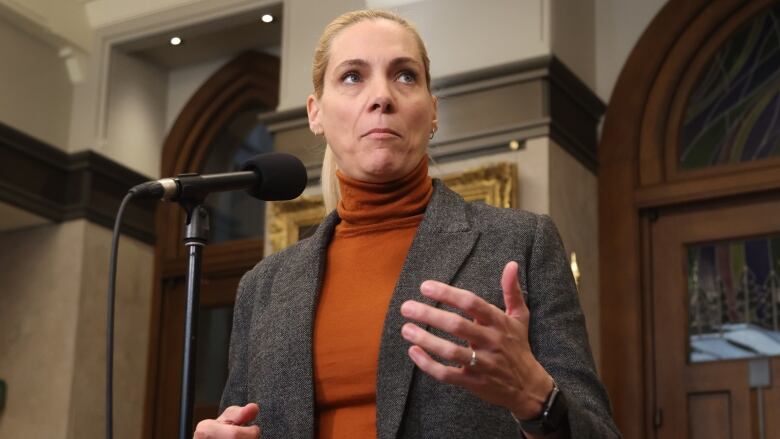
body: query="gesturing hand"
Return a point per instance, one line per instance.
(230, 424)
(499, 366)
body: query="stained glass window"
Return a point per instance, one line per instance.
(734, 299)
(733, 113)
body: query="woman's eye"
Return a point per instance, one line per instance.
(350, 78)
(407, 77)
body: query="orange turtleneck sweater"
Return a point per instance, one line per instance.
(365, 257)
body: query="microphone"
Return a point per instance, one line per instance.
(273, 176)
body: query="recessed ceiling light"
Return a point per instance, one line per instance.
(267, 18)
(175, 41)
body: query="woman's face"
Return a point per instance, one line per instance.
(375, 110)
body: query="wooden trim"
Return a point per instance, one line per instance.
(49, 182)
(715, 187)
(648, 313)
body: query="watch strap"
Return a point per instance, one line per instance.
(553, 416)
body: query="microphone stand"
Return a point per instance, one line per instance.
(195, 238)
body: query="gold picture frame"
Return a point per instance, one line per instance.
(290, 219)
(495, 185)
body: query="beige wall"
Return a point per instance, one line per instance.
(52, 331)
(507, 30)
(619, 24)
(572, 25)
(462, 36)
(574, 208)
(133, 301)
(39, 304)
(35, 92)
(136, 113)
(183, 83)
(302, 23)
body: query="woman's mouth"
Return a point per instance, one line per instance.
(381, 134)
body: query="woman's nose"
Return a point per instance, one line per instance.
(382, 98)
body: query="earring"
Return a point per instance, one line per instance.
(433, 131)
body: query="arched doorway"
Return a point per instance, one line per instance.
(689, 194)
(215, 132)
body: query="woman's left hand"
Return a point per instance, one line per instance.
(505, 372)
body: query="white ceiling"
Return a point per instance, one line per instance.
(210, 40)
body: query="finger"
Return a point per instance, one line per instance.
(447, 374)
(438, 346)
(448, 322)
(239, 415)
(464, 300)
(513, 296)
(212, 429)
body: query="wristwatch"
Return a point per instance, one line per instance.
(553, 417)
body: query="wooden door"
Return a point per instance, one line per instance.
(691, 126)
(699, 395)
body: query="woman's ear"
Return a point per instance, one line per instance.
(313, 110)
(435, 121)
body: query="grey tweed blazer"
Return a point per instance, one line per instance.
(463, 244)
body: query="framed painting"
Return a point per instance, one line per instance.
(495, 185)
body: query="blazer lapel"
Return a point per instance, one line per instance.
(443, 241)
(287, 356)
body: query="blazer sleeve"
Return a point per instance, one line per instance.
(235, 391)
(558, 336)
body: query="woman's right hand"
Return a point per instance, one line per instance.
(230, 424)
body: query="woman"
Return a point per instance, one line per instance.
(404, 315)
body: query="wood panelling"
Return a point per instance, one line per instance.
(708, 415)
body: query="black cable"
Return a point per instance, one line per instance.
(110, 316)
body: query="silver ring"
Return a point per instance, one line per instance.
(473, 361)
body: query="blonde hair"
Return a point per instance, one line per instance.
(329, 182)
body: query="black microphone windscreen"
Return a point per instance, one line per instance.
(282, 176)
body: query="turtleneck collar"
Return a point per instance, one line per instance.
(364, 204)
